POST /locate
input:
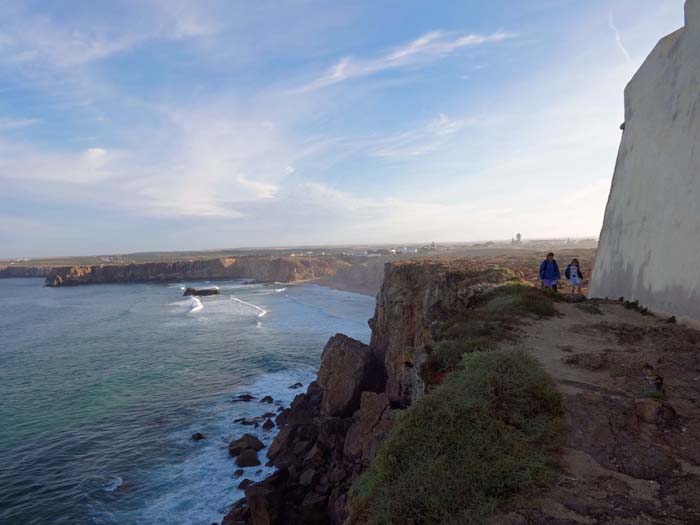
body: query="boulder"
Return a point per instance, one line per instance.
(268, 425)
(267, 399)
(197, 436)
(346, 370)
(248, 458)
(246, 441)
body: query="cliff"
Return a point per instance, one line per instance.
(649, 247)
(265, 269)
(617, 442)
(24, 271)
(331, 433)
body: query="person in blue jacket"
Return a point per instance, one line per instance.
(549, 272)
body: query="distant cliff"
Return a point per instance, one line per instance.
(649, 245)
(25, 271)
(264, 269)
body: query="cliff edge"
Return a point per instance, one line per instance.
(487, 401)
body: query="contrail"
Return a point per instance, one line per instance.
(618, 39)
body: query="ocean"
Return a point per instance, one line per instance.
(102, 387)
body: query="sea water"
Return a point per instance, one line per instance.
(102, 387)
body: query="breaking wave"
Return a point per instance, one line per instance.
(261, 311)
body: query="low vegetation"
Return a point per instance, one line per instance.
(485, 436)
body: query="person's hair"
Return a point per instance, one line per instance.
(550, 253)
(575, 260)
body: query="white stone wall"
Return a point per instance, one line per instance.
(649, 247)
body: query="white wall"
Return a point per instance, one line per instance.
(650, 242)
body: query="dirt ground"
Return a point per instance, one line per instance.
(630, 387)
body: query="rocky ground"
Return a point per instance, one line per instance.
(630, 387)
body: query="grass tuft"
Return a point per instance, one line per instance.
(446, 356)
(487, 435)
(519, 299)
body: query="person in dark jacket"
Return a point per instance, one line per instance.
(549, 272)
(574, 275)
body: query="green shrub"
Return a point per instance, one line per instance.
(519, 299)
(446, 356)
(488, 434)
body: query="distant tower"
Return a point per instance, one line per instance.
(518, 238)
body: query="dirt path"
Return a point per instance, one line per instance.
(630, 387)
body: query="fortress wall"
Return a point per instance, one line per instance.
(649, 246)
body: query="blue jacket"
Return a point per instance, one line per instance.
(549, 270)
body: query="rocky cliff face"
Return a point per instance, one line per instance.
(331, 433)
(25, 271)
(266, 269)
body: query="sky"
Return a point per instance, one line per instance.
(145, 125)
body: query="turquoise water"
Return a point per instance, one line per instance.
(102, 386)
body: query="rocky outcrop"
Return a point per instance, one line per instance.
(264, 269)
(332, 432)
(201, 292)
(413, 300)
(347, 369)
(24, 271)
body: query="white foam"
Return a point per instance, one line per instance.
(279, 290)
(114, 484)
(261, 311)
(200, 488)
(196, 304)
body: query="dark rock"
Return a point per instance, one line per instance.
(238, 473)
(281, 418)
(245, 483)
(267, 399)
(247, 421)
(282, 442)
(337, 475)
(247, 458)
(346, 370)
(269, 424)
(671, 320)
(246, 441)
(197, 436)
(243, 398)
(307, 477)
(201, 291)
(296, 385)
(313, 508)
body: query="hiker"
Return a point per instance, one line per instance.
(549, 272)
(574, 275)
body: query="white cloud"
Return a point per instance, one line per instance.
(428, 47)
(618, 38)
(16, 123)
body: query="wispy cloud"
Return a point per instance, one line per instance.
(420, 141)
(618, 38)
(30, 38)
(16, 123)
(429, 47)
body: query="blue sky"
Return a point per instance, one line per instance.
(166, 124)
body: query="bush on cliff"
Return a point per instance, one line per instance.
(488, 434)
(518, 299)
(446, 356)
